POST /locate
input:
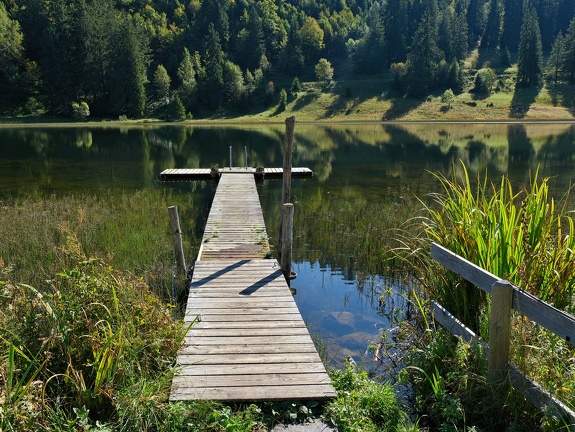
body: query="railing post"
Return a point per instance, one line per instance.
(246, 156)
(177, 237)
(287, 238)
(230, 157)
(499, 332)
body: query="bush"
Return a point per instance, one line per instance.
(283, 100)
(484, 80)
(80, 110)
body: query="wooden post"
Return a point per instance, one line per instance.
(246, 156)
(230, 157)
(288, 146)
(499, 332)
(177, 237)
(287, 238)
(286, 189)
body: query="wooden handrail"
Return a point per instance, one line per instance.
(553, 319)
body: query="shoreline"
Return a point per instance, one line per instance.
(240, 122)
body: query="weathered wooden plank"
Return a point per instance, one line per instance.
(249, 369)
(466, 269)
(236, 315)
(208, 324)
(241, 332)
(265, 393)
(257, 340)
(260, 358)
(259, 349)
(270, 379)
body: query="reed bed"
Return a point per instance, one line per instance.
(526, 237)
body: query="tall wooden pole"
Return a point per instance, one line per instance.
(286, 189)
(177, 237)
(288, 146)
(499, 332)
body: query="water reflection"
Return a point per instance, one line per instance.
(369, 157)
(370, 162)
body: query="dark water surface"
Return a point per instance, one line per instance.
(348, 308)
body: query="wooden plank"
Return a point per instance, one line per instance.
(259, 358)
(452, 324)
(260, 393)
(247, 324)
(237, 316)
(249, 369)
(466, 269)
(192, 349)
(257, 340)
(553, 319)
(271, 379)
(242, 332)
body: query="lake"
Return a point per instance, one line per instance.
(343, 301)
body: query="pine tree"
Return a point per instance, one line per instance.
(370, 55)
(491, 34)
(529, 68)
(512, 15)
(214, 68)
(395, 28)
(475, 17)
(569, 59)
(556, 60)
(186, 76)
(424, 56)
(459, 36)
(128, 78)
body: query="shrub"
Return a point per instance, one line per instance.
(484, 80)
(80, 110)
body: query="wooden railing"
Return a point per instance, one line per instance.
(505, 297)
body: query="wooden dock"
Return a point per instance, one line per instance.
(206, 173)
(250, 342)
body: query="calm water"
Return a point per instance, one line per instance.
(346, 307)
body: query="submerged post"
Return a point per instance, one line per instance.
(246, 156)
(499, 332)
(177, 237)
(287, 239)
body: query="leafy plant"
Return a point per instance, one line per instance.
(363, 404)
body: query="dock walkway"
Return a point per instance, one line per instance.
(250, 342)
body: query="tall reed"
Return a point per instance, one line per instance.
(526, 237)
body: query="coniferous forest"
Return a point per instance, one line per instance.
(133, 58)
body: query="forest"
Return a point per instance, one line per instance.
(178, 59)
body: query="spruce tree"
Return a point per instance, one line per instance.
(512, 14)
(424, 56)
(556, 60)
(214, 65)
(530, 62)
(569, 54)
(491, 34)
(395, 30)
